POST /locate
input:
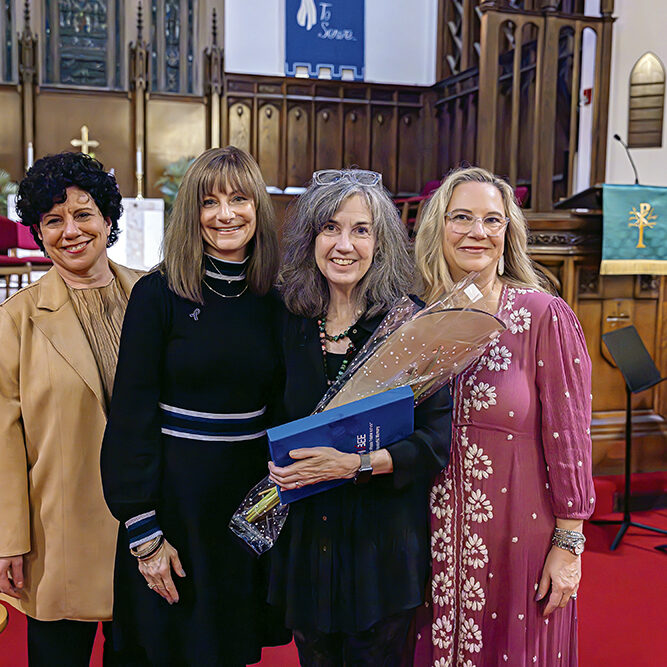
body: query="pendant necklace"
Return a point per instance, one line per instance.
(225, 296)
(229, 282)
(324, 337)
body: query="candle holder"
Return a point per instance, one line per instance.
(140, 185)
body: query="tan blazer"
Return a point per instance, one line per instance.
(52, 420)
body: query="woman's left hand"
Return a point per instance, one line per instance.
(314, 464)
(561, 572)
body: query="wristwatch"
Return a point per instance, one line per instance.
(570, 540)
(365, 470)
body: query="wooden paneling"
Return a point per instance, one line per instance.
(59, 115)
(269, 143)
(328, 137)
(240, 125)
(384, 144)
(410, 148)
(175, 128)
(329, 125)
(357, 131)
(11, 149)
(299, 163)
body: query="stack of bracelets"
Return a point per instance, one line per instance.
(570, 540)
(149, 549)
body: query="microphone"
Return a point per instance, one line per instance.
(632, 162)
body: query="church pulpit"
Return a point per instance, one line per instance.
(568, 249)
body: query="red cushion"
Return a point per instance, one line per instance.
(13, 261)
(37, 259)
(24, 238)
(8, 233)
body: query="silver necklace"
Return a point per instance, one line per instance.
(226, 296)
(229, 279)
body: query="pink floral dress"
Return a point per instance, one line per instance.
(521, 455)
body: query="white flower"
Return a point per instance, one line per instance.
(439, 498)
(477, 555)
(443, 662)
(473, 595)
(442, 632)
(439, 541)
(442, 588)
(519, 320)
(471, 635)
(499, 358)
(482, 396)
(478, 462)
(479, 506)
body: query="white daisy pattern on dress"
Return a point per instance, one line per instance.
(519, 320)
(499, 358)
(482, 396)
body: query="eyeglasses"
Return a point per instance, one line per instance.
(462, 223)
(361, 176)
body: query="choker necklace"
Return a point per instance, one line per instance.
(324, 337)
(229, 279)
(225, 296)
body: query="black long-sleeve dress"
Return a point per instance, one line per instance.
(193, 395)
(356, 554)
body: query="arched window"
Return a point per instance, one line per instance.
(647, 102)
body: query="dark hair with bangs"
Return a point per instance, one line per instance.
(46, 183)
(183, 263)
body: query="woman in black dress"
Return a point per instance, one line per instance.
(193, 395)
(353, 562)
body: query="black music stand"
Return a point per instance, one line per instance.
(640, 373)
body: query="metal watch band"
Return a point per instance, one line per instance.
(365, 470)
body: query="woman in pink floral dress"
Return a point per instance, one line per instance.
(507, 514)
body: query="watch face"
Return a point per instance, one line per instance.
(579, 548)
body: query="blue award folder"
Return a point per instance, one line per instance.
(358, 427)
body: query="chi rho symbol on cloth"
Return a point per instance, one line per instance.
(642, 218)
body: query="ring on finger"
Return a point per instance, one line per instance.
(573, 596)
(151, 586)
(297, 484)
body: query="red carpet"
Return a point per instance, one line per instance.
(621, 605)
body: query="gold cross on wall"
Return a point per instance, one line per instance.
(85, 142)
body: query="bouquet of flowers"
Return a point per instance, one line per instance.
(422, 348)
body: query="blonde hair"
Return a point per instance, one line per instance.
(429, 256)
(183, 263)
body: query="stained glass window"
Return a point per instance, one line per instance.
(172, 46)
(83, 43)
(7, 51)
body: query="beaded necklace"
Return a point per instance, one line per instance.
(324, 337)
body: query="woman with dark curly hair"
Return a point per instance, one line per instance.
(60, 340)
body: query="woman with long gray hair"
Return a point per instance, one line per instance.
(353, 561)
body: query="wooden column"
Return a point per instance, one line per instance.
(138, 85)
(602, 82)
(488, 91)
(27, 80)
(213, 84)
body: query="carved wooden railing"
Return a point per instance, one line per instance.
(510, 97)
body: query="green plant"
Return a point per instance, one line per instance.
(171, 179)
(7, 187)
